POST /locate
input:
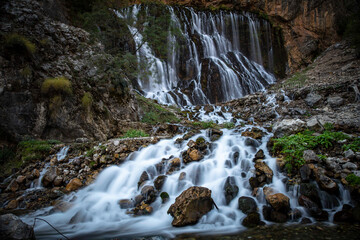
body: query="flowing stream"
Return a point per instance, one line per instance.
(95, 211)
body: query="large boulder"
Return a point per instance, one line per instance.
(11, 227)
(50, 176)
(311, 191)
(190, 206)
(247, 205)
(144, 177)
(279, 202)
(159, 182)
(313, 209)
(312, 99)
(326, 183)
(251, 220)
(287, 127)
(230, 189)
(149, 194)
(74, 184)
(264, 174)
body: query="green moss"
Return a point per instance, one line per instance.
(19, 44)
(90, 152)
(154, 113)
(353, 180)
(292, 147)
(35, 149)
(228, 125)
(133, 133)
(204, 125)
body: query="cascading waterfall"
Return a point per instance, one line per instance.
(206, 63)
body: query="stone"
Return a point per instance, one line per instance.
(230, 189)
(144, 177)
(254, 183)
(251, 142)
(343, 216)
(12, 204)
(254, 133)
(259, 155)
(20, 179)
(305, 220)
(327, 184)
(11, 227)
(310, 156)
(58, 181)
(312, 99)
(195, 155)
(182, 176)
(263, 168)
(126, 203)
(159, 182)
(148, 192)
(311, 191)
(279, 202)
(214, 134)
(190, 206)
(350, 154)
(312, 208)
(305, 173)
(164, 197)
(62, 206)
(350, 166)
(191, 144)
(12, 187)
(49, 176)
(314, 125)
(251, 220)
(287, 127)
(335, 101)
(74, 184)
(247, 205)
(35, 173)
(174, 165)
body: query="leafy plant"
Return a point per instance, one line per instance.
(355, 145)
(133, 133)
(293, 146)
(228, 125)
(204, 125)
(58, 85)
(353, 180)
(19, 44)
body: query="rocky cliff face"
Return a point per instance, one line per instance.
(309, 27)
(54, 49)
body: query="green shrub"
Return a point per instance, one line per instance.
(58, 85)
(86, 100)
(133, 133)
(292, 147)
(19, 44)
(228, 125)
(353, 180)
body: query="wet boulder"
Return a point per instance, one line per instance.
(149, 194)
(311, 191)
(259, 155)
(144, 177)
(192, 155)
(271, 215)
(13, 186)
(251, 142)
(251, 220)
(327, 184)
(11, 227)
(126, 203)
(313, 209)
(264, 174)
(247, 205)
(214, 134)
(164, 197)
(190, 206)
(74, 184)
(230, 189)
(305, 173)
(159, 182)
(279, 202)
(50, 176)
(143, 209)
(174, 165)
(254, 133)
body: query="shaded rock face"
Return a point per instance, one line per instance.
(190, 206)
(247, 205)
(61, 50)
(251, 220)
(11, 227)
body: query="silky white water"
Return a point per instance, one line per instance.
(95, 212)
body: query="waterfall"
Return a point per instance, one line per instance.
(208, 60)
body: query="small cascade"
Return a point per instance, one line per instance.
(208, 58)
(62, 153)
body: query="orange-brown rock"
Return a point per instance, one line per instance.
(74, 184)
(279, 202)
(190, 206)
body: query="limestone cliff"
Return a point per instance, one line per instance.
(309, 26)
